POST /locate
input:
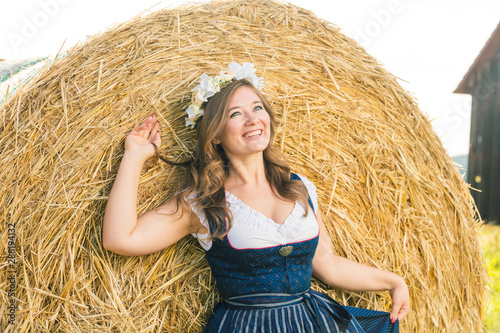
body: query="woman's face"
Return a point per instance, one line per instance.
(247, 130)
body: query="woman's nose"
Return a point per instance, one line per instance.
(251, 118)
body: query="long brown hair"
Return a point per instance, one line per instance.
(210, 168)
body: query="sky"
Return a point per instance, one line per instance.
(428, 45)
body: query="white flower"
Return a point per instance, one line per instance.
(207, 87)
(258, 82)
(234, 68)
(226, 75)
(246, 71)
(194, 112)
(189, 122)
(195, 99)
(217, 83)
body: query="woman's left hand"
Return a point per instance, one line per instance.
(400, 300)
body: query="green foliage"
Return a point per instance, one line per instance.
(490, 236)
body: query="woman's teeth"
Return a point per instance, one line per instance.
(252, 133)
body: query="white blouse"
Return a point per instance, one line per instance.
(253, 230)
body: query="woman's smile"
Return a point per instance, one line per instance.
(253, 134)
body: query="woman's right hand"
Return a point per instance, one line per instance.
(139, 140)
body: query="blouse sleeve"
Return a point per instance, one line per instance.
(202, 238)
(311, 189)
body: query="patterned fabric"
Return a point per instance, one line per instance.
(373, 321)
(267, 290)
(309, 311)
(250, 271)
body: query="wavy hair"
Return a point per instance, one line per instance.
(209, 170)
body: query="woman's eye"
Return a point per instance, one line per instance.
(258, 107)
(234, 114)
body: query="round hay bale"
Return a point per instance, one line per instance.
(389, 194)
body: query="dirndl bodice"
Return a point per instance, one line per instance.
(280, 269)
(267, 290)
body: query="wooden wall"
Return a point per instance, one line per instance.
(484, 153)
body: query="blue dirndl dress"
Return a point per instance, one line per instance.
(267, 290)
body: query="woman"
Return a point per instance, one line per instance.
(259, 225)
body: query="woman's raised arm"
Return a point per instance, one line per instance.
(124, 233)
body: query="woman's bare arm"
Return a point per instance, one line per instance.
(346, 274)
(124, 233)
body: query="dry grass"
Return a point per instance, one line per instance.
(490, 237)
(389, 193)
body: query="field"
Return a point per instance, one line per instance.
(490, 236)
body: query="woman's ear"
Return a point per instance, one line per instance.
(216, 141)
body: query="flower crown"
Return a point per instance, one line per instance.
(209, 86)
